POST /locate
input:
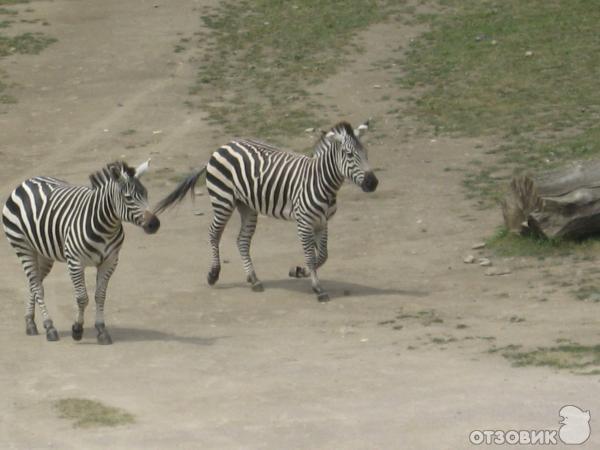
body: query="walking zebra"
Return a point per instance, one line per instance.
(47, 220)
(257, 178)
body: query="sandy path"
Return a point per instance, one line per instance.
(229, 368)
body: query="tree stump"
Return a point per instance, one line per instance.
(564, 203)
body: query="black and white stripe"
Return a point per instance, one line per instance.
(47, 220)
(257, 178)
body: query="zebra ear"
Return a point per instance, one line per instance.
(116, 173)
(361, 129)
(333, 136)
(142, 168)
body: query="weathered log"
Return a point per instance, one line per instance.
(563, 203)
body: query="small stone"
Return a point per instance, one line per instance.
(364, 340)
(199, 213)
(309, 130)
(376, 86)
(497, 271)
(469, 259)
(484, 262)
(494, 42)
(478, 246)
(528, 53)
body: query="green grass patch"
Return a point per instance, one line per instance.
(505, 243)
(12, 2)
(89, 413)
(588, 292)
(264, 54)
(571, 356)
(480, 78)
(25, 43)
(526, 71)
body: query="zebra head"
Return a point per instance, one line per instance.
(131, 199)
(352, 156)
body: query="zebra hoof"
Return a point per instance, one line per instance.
(77, 331)
(297, 272)
(31, 328)
(323, 297)
(258, 287)
(104, 338)
(212, 277)
(51, 334)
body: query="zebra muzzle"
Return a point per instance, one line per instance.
(370, 182)
(151, 223)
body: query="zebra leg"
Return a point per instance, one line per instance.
(77, 273)
(37, 272)
(29, 262)
(36, 268)
(44, 267)
(30, 326)
(222, 213)
(320, 248)
(105, 271)
(306, 234)
(249, 218)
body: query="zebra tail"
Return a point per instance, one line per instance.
(180, 191)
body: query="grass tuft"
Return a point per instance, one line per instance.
(568, 356)
(89, 413)
(505, 243)
(26, 43)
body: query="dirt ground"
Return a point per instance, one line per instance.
(397, 360)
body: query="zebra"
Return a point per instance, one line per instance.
(257, 178)
(46, 220)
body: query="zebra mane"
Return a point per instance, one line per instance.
(324, 144)
(344, 126)
(103, 176)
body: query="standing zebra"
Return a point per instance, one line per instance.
(47, 220)
(257, 178)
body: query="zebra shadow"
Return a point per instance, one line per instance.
(130, 334)
(335, 288)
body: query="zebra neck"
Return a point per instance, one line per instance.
(328, 172)
(106, 209)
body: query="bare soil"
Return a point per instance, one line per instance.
(397, 359)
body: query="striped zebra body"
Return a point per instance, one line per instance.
(46, 220)
(269, 181)
(60, 221)
(257, 178)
